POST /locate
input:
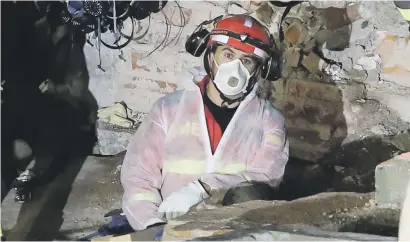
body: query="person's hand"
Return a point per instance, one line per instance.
(179, 203)
(47, 86)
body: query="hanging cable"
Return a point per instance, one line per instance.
(179, 31)
(99, 43)
(116, 35)
(163, 41)
(183, 22)
(122, 45)
(142, 35)
(169, 27)
(122, 16)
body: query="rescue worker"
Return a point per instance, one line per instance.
(212, 136)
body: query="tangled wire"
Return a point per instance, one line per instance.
(94, 17)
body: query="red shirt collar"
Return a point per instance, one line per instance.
(203, 84)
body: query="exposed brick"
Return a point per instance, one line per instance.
(313, 63)
(335, 39)
(353, 12)
(254, 5)
(395, 56)
(390, 45)
(263, 14)
(314, 111)
(309, 135)
(292, 57)
(134, 60)
(324, 131)
(151, 85)
(173, 13)
(353, 91)
(335, 17)
(306, 150)
(392, 178)
(309, 89)
(296, 32)
(311, 141)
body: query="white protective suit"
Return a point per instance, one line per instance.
(172, 148)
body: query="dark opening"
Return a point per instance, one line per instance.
(369, 225)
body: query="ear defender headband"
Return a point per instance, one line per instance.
(197, 42)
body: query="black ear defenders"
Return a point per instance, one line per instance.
(196, 44)
(197, 41)
(272, 69)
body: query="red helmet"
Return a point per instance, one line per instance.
(242, 32)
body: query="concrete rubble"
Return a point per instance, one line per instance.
(97, 190)
(326, 216)
(392, 177)
(113, 139)
(351, 39)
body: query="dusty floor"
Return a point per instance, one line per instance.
(51, 215)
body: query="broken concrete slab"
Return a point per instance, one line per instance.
(293, 233)
(319, 217)
(326, 211)
(112, 139)
(392, 178)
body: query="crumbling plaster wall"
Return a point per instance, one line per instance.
(365, 93)
(360, 97)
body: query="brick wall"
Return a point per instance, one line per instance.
(365, 94)
(140, 80)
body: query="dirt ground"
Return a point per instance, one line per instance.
(63, 210)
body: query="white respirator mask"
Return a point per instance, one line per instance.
(232, 78)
